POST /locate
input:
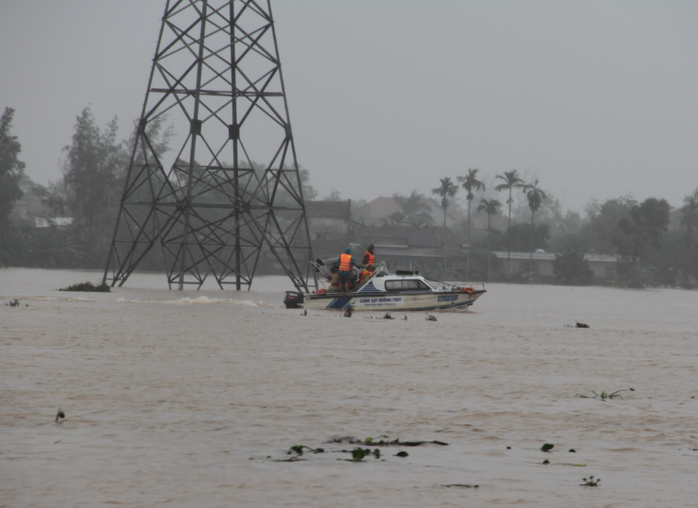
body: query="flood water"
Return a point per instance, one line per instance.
(193, 398)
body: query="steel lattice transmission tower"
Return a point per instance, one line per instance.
(232, 191)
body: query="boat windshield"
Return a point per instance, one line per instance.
(406, 285)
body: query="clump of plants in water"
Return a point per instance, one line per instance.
(605, 395)
(370, 440)
(590, 482)
(88, 287)
(358, 454)
(13, 303)
(299, 450)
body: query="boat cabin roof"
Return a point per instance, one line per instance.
(396, 282)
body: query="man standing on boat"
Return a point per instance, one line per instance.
(345, 262)
(369, 256)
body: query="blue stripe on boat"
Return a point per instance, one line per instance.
(339, 303)
(370, 288)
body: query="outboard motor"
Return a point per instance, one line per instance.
(293, 299)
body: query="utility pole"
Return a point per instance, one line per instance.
(230, 193)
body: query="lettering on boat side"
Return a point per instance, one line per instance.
(383, 301)
(448, 298)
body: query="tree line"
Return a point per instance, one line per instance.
(94, 168)
(93, 172)
(637, 234)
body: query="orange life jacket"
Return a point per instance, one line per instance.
(371, 258)
(365, 275)
(345, 263)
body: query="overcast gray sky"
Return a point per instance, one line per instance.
(596, 99)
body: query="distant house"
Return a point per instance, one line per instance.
(603, 267)
(46, 222)
(404, 245)
(382, 207)
(328, 224)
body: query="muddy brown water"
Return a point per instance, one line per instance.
(193, 398)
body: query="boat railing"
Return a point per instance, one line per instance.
(455, 285)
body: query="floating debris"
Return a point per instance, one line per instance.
(358, 454)
(604, 395)
(13, 303)
(349, 311)
(388, 316)
(582, 325)
(430, 317)
(459, 485)
(299, 450)
(404, 319)
(590, 482)
(373, 441)
(402, 454)
(305, 312)
(547, 447)
(60, 414)
(88, 287)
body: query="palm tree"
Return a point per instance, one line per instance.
(535, 198)
(490, 207)
(512, 180)
(470, 183)
(447, 190)
(415, 210)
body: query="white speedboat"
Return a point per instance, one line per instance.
(403, 291)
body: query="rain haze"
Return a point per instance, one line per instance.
(596, 99)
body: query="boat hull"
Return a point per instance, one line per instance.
(417, 301)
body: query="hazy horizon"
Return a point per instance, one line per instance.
(595, 99)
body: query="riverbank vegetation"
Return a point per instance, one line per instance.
(70, 222)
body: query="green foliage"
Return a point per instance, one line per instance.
(334, 196)
(414, 210)
(606, 395)
(446, 190)
(298, 449)
(11, 172)
(91, 168)
(590, 482)
(571, 268)
(635, 276)
(358, 454)
(359, 209)
(88, 287)
(547, 447)
(638, 234)
(309, 193)
(51, 247)
(602, 221)
(490, 207)
(535, 196)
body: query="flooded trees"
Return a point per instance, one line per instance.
(11, 171)
(447, 190)
(511, 180)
